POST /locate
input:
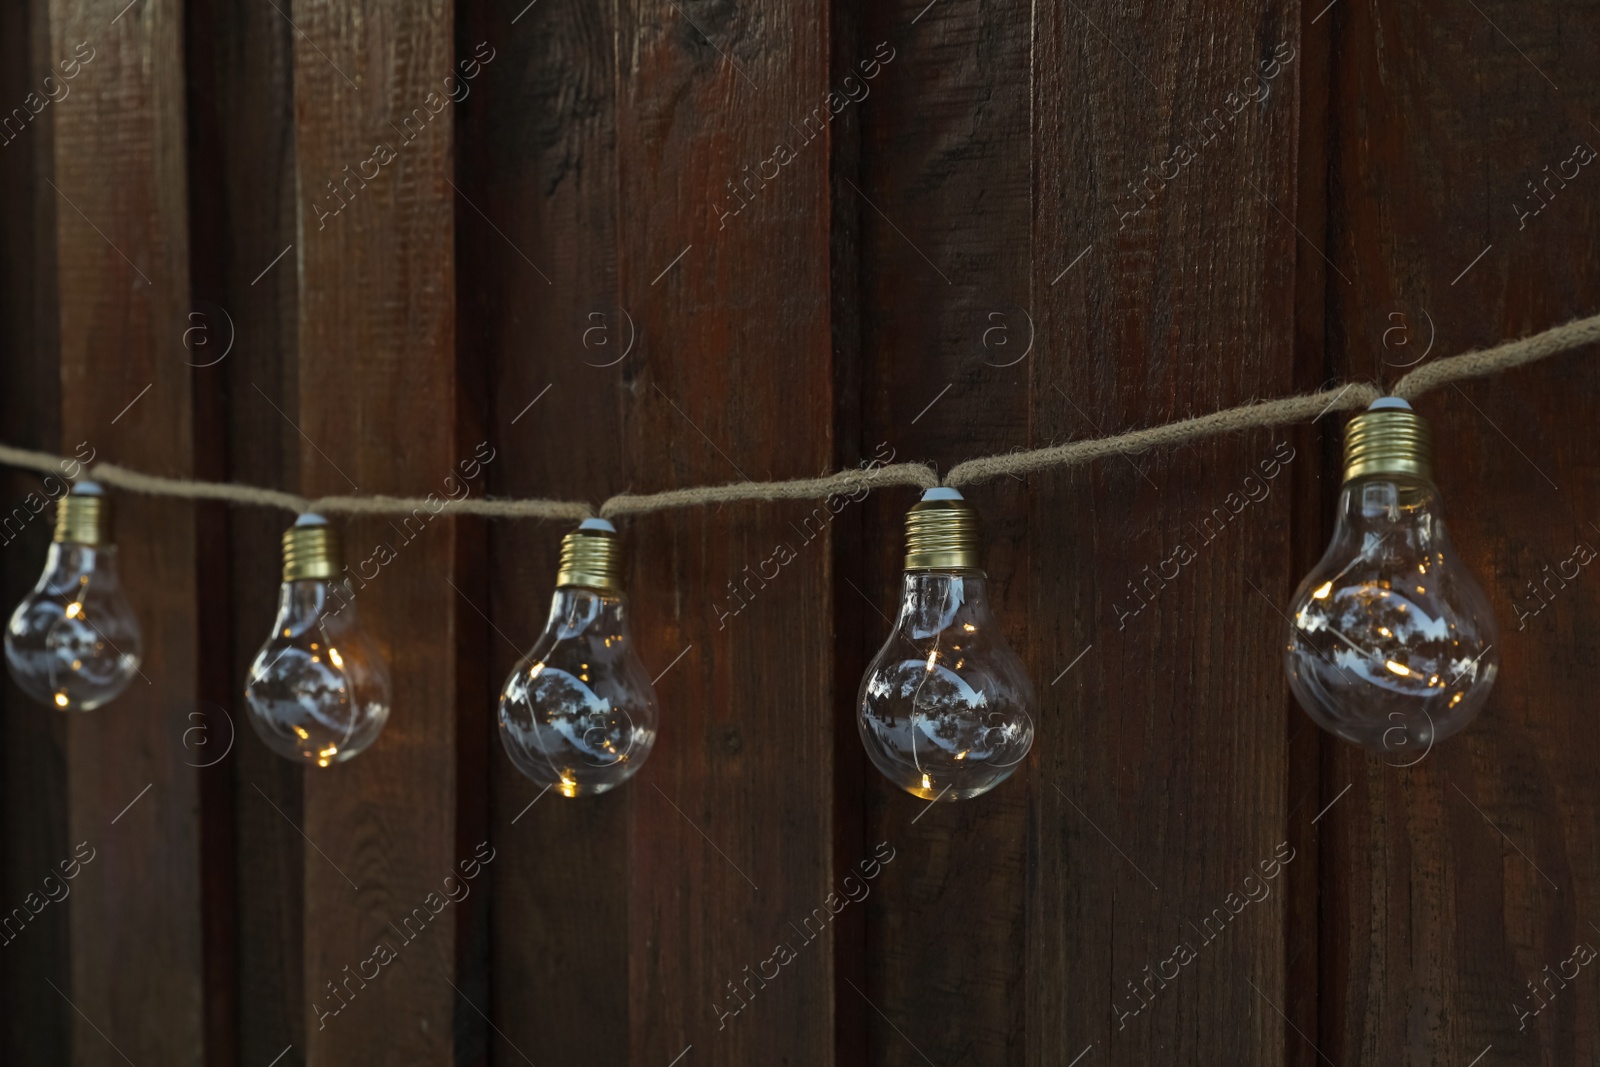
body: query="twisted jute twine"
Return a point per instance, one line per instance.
(1478, 364)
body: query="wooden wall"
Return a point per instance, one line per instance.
(985, 239)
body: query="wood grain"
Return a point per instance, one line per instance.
(942, 202)
(377, 411)
(540, 313)
(37, 1025)
(1308, 749)
(1455, 883)
(1162, 776)
(243, 217)
(733, 814)
(123, 285)
(653, 297)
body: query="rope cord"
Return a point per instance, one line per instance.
(1431, 376)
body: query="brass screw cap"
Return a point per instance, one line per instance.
(591, 556)
(311, 549)
(941, 533)
(83, 516)
(1388, 438)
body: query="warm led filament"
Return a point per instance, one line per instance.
(1391, 642)
(319, 688)
(73, 642)
(578, 713)
(944, 709)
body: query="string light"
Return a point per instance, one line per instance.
(578, 713)
(1391, 641)
(1375, 655)
(318, 690)
(73, 643)
(944, 708)
(1306, 407)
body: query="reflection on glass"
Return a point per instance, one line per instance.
(944, 707)
(1390, 639)
(318, 691)
(578, 713)
(73, 643)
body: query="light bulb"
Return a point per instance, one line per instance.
(1391, 641)
(944, 709)
(318, 690)
(578, 713)
(73, 642)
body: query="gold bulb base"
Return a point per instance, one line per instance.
(311, 552)
(591, 558)
(941, 535)
(83, 519)
(1393, 441)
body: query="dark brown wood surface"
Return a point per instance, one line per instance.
(377, 387)
(1454, 884)
(947, 353)
(982, 240)
(733, 815)
(123, 288)
(1161, 781)
(243, 346)
(37, 1025)
(543, 319)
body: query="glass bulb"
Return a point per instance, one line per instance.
(578, 713)
(944, 708)
(1391, 641)
(318, 690)
(73, 643)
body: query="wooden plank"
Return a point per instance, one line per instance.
(537, 218)
(123, 284)
(1455, 883)
(377, 411)
(1161, 777)
(733, 814)
(243, 346)
(942, 200)
(37, 1025)
(1308, 748)
(851, 627)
